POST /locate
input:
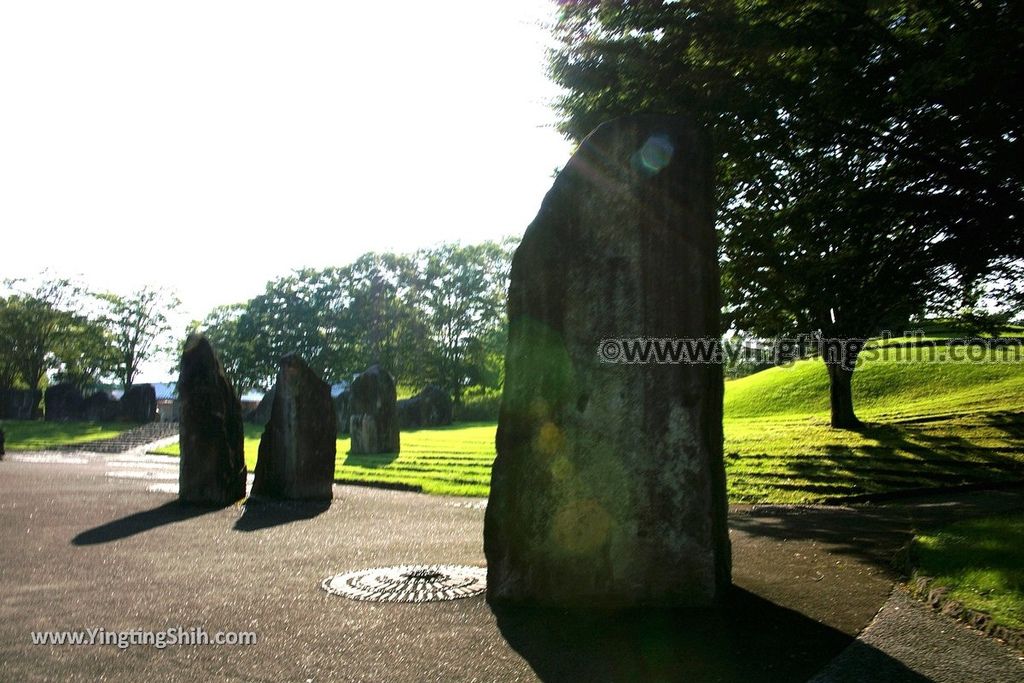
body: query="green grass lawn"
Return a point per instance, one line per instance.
(453, 460)
(981, 561)
(928, 425)
(37, 435)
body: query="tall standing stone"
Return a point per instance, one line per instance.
(64, 403)
(373, 406)
(298, 447)
(432, 407)
(609, 485)
(139, 403)
(212, 467)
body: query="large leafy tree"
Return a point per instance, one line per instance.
(462, 293)
(869, 153)
(34, 323)
(138, 328)
(86, 354)
(380, 315)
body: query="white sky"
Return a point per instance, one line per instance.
(210, 146)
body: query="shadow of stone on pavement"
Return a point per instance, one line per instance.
(139, 522)
(263, 514)
(749, 639)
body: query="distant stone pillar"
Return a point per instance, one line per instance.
(138, 404)
(298, 446)
(373, 406)
(609, 484)
(212, 464)
(64, 403)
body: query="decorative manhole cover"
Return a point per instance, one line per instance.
(409, 583)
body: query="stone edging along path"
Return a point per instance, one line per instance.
(937, 597)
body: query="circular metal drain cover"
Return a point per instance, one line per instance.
(409, 583)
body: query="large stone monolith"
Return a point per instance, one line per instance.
(373, 409)
(609, 487)
(64, 403)
(139, 403)
(212, 467)
(432, 407)
(297, 450)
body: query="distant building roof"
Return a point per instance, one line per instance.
(165, 391)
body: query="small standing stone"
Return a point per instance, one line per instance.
(298, 447)
(139, 403)
(212, 466)
(374, 409)
(432, 407)
(609, 486)
(64, 403)
(261, 414)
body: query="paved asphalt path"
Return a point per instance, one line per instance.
(94, 541)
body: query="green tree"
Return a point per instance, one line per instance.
(35, 321)
(86, 354)
(461, 293)
(380, 316)
(868, 153)
(8, 357)
(236, 350)
(138, 328)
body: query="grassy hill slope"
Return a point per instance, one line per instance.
(927, 425)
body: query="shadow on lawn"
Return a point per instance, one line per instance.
(139, 522)
(369, 460)
(748, 639)
(916, 455)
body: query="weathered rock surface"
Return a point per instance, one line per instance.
(139, 403)
(100, 408)
(432, 407)
(373, 426)
(64, 403)
(261, 414)
(343, 410)
(212, 467)
(609, 486)
(297, 450)
(19, 404)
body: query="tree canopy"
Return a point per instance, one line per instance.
(435, 316)
(868, 153)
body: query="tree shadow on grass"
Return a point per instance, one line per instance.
(263, 514)
(139, 522)
(369, 460)
(748, 639)
(909, 456)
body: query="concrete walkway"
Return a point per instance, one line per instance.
(83, 549)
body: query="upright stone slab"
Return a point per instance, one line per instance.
(609, 486)
(64, 403)
(100, 408)
(261, 414)
(297, 450)
(373, 405)
(212, 465)
(432, 407)
(139, 403)
(19, 404)
(342, 410)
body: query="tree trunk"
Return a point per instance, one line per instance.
(841, 396)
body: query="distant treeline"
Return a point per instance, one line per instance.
(433, 316)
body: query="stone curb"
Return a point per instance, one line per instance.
(937, 597)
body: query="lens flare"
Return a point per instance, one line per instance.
(654, 155)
